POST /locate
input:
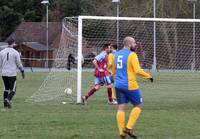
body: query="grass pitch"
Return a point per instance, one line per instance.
(171, 111)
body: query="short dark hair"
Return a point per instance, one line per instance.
(10, 41)
(115, 46)
(106, 45)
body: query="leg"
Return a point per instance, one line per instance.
(113, 94)
(136, 100)
(6, 91)
(109, 91)
(134, 115)
(92, 91)
(113, 89)
(5, 98)
(12, 88)
(68, 65)
(6, 86)
(121, 119)
(107, 80)
(121, 98)
(97, 82)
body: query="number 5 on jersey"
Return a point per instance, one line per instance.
(119, 62)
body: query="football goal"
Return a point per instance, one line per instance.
(169, 48)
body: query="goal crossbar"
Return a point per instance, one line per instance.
(139, 19)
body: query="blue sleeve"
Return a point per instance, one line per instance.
(100, 57)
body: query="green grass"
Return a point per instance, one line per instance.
(171, 111)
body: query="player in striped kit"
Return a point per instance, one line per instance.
(101, 74)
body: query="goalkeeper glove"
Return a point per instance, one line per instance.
(151, 79)
(23, 74)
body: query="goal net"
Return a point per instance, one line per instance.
(63, 73)
(169, 48)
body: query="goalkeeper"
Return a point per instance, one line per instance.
(127, 90)
(9, 62)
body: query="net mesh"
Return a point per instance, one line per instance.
(63, 73)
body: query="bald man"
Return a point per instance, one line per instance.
(127, 90)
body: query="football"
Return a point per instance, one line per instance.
(68, 91)
(64, 102)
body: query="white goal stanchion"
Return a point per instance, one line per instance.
(176, 50)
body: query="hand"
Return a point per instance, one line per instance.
(101, 70)
(151, 79)
(23, 74)
(108, 73)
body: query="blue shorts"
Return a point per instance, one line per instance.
(125, 96)
(102, 80)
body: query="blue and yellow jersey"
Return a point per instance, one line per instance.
(110, 63)
(127, 67)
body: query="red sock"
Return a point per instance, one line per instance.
(110, 94)
(90, 93)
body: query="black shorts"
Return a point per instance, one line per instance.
(9, 83)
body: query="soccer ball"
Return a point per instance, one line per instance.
(68, 91)
(64, 102)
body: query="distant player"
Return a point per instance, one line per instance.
(112, 68)
(9, 63)
(73, 60)
(101, 75)
(70, 60)
(127, 90)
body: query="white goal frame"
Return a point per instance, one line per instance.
(80, 28)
